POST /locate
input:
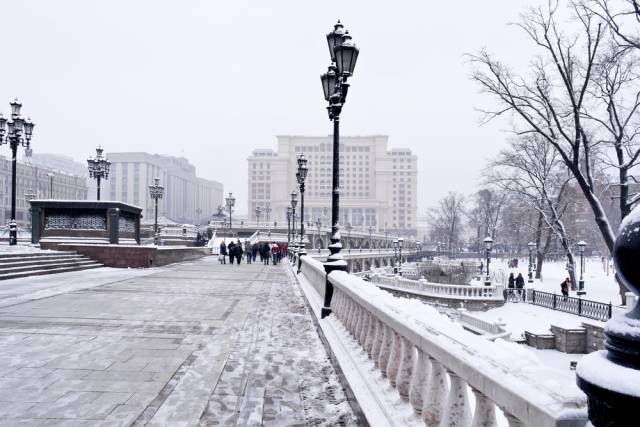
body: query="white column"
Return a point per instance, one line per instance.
(457, 411)
(403, 380)
(365, 328)
(435, 396)
(377, 342)
(394, 359)
(484, 414)
(385, 349)
(371, 334)
(419, 382)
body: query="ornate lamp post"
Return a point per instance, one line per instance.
(581, 245)
(258, 212)
(488, 243)
(231, 201)
(319, 225)
(15, 131)
(344, 55)
(400, 244)
(349, 228)
(294, 203)
(301, 176)
(395, 256)
(532, 247)
(98, 167)
(289, 215)
(156, 191)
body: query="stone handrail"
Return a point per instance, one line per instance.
(417, 349)
(421, 286)
(491, 330)
(177, 232)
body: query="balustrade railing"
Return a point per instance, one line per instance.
(579, 306)
(433, 364)
(492, 330)
(493, 292)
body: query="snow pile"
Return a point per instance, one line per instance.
(597, 369)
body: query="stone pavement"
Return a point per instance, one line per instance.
(196, 343)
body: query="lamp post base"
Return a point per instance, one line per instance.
(13, 233)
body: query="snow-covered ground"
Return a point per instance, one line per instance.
(600, 284)
(19, 249)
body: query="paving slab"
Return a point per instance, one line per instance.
(193, 344)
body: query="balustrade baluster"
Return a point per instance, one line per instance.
(485, 413)
(371, 333)
(364, 328)
(337, 304)
(457, 412)
(419, 382)
(394, 359)
(405, 371)
(353, 315)
(358, 323)
(385, 349)
(435, 396)
(513, 421)
(377, 342)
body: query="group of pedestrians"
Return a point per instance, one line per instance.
(268, 252)
(516, 285)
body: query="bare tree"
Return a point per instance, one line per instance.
(551, 103)
(532, 172)
(622, 17)
(445, 220)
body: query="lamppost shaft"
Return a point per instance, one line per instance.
(155, 222)
(13, 231)
(98, 179)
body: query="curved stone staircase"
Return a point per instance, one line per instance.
(16, 265)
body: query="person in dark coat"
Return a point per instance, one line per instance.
(238, 252)
(231, 249)
(520, 285)
(512, 281)
(564, 287)
(265, 252)
(223, 252)
(247, 250)
(254, 251)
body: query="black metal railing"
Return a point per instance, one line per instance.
(578, 306)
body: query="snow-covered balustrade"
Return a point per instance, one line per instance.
(488, 329)
(421, 286)
(435, 365)
(184, 231)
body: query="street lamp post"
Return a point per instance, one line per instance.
(294, 203)
(258, 211)
(156, 192)
(319, 225)
(532, 247)
(400, 244)
(581, 245)
(349, 228)
(98, 168)
(370, 239)
(198, 213)
(301, 176)
(395, 256)
(289, 214)
(18, 132)
(334, 84)
(488, 243)
(231, 201)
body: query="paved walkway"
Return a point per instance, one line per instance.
(197, 343)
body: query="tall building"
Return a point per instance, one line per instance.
(378, 185)
(43, 182)
(187, 198)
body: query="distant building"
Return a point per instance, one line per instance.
(187, 198)
(44, 182)
(378, 185)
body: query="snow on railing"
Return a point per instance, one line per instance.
(489, 330)
(185, 231)
(421, 286)
(433, 363)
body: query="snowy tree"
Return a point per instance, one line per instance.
(484, 215)
(445, 220)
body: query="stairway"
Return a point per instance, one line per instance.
(16, 265)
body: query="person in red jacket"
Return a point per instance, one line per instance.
(274, 252)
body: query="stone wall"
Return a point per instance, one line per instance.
(128, 256)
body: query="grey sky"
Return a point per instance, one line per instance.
(213, 80)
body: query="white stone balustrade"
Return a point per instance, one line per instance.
(434, 364)
(481, 326)
(421, 286)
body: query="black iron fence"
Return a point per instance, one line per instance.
(579, 306)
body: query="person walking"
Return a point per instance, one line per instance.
(238, 252)
(265, 253)
(223, 253)
(564, 287)
(254, 251)
(231, 249)
(520, 286)
(247, 251)
(274, 252)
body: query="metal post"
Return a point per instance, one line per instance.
(98, 179)
(51, 188)
(13, 227)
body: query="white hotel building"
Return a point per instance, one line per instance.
(187, 198)
(378, 185)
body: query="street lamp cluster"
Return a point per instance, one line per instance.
(98, 167)
(301, 176)
(397, 253)
(15, 131)
(344, 55)
(156, 191)
(231, 202)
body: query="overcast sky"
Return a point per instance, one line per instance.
(212, 80)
